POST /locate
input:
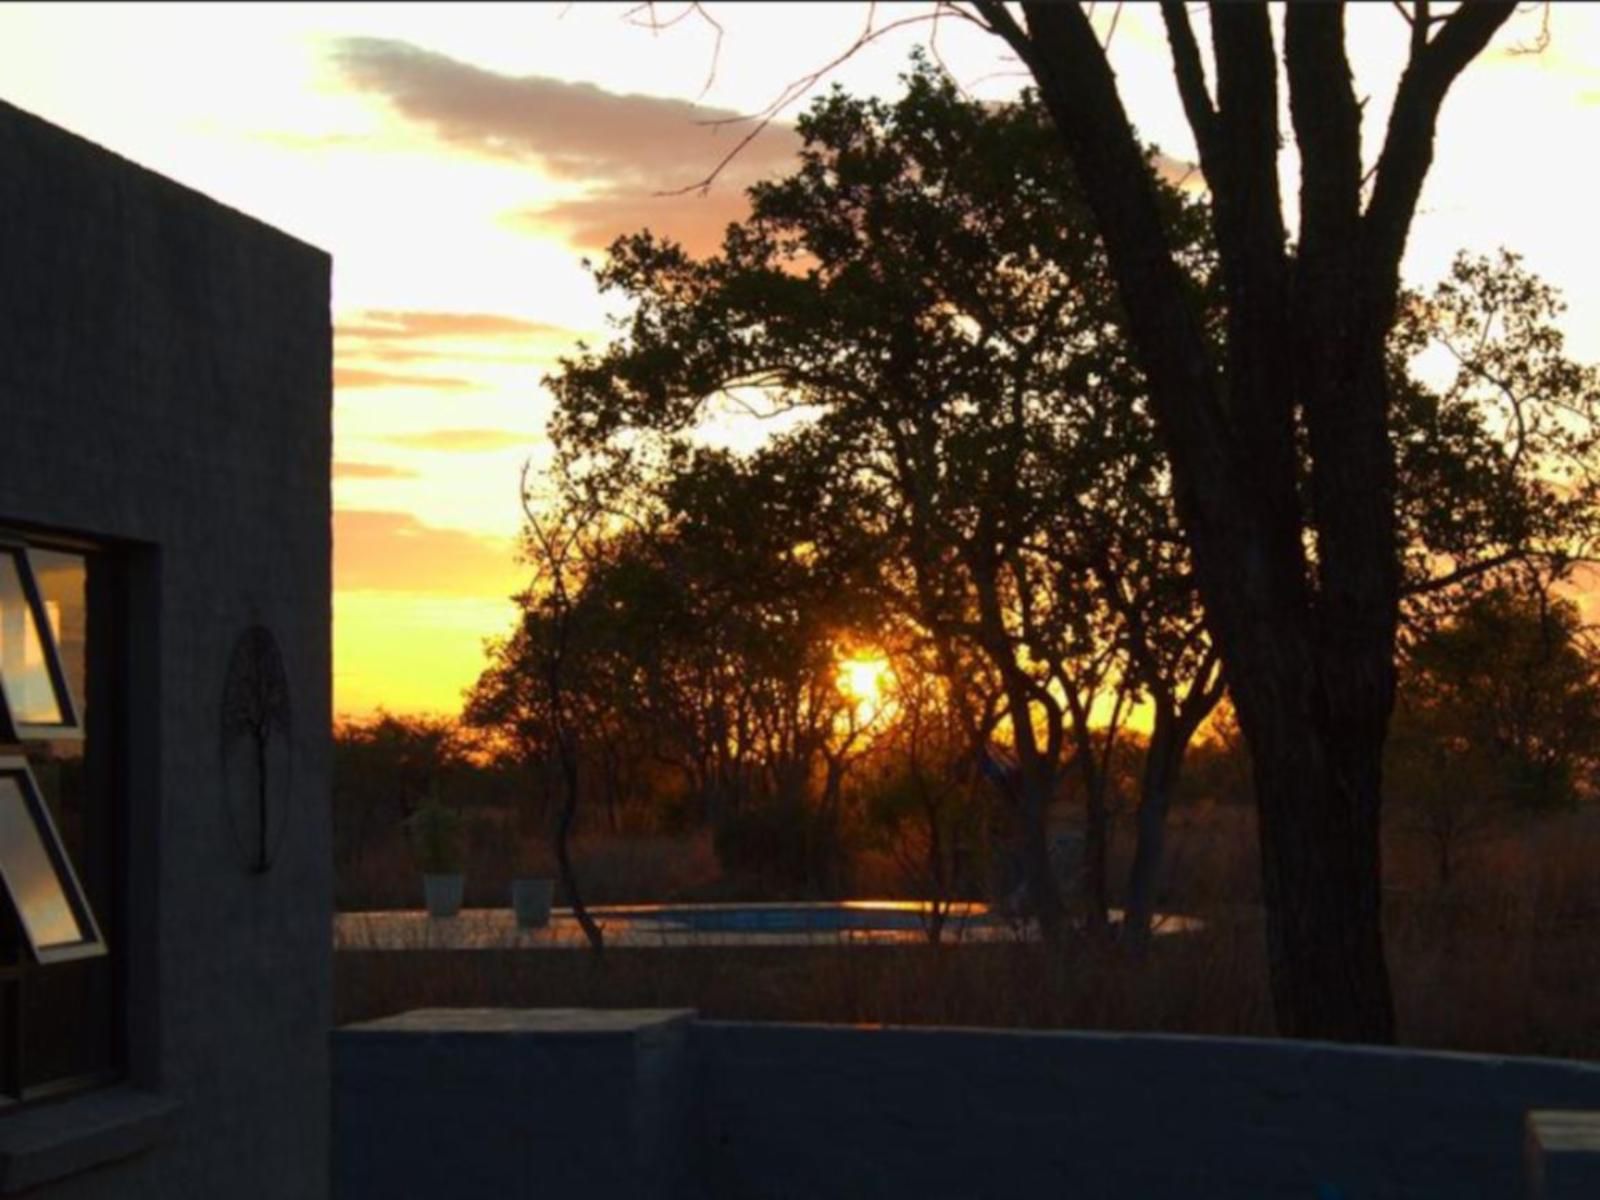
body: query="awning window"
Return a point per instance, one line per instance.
(37, 703)
(38, 877)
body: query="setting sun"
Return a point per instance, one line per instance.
(863, 679)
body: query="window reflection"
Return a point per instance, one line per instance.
(32, 878)
(24, 670)
(61, 578)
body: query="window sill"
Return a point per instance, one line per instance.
(44, 1144)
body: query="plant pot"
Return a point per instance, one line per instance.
(530, 900)
(443, 894)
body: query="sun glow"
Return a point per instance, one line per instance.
(864, 680)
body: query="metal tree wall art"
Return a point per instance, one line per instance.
(256, 723)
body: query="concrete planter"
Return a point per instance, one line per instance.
(442, 894)
(531, 900)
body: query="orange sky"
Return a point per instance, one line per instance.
(460, 160)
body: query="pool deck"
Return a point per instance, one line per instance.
(632, 926)
(652, 926)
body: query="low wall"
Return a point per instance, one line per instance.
(784, 1112)
(796, 1111)
(506, 1103)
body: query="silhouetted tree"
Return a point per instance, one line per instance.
(563, 543)
(1308, 645)
(974, 412)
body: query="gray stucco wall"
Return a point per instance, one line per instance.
(165, 380)
(798, 1111)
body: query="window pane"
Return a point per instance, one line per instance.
(66, 1014)
(59, 763)
(36, 887)
(23, 669)
(62, 580)
(67, 1009)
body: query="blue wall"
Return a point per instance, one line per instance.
(784, 1112)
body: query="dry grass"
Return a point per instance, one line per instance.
(611, 870)
(1504, 960)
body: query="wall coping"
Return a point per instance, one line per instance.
(50, 1142)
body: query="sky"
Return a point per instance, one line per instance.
(461, 161)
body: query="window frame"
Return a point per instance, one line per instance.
(113, 561)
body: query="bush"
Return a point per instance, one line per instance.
(436, 838)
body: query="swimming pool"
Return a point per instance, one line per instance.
(848, 922)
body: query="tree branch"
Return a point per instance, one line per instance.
(1327, 124)
(1191, 76)
(1408, 144)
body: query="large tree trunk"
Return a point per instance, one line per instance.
(1173, 729)
(1095, 880)
(1038, 781)
(1094, 772)
(1162, 762)
(1318, 813)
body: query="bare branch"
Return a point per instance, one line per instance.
(1002, 24)
(1419, 29)
(1116, 15)
(1483, 566)
(795, 91)
(654, 24)
(1541, 41)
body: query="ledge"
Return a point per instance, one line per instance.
(553, 1024)
(44, 1144)
(1563, 1154)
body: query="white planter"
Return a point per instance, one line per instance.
(443, 894)
(531, 900)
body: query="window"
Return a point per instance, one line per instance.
(45, 894)
(33, 683)
(59, 711)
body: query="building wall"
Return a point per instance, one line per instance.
(165, 381)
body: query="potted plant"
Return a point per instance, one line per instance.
(532, 890)
(531, 897)
(436, 840)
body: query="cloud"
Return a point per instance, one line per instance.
(575, 131)
(385, 337)
(395, 552)
(360, 377)
(627, 149)
(462, 441)
(362, 470)
(593, 222)
(384, 324)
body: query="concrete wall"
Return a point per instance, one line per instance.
(554, 1105)
(510, 1103)
(165, 381)
(797, 1111)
